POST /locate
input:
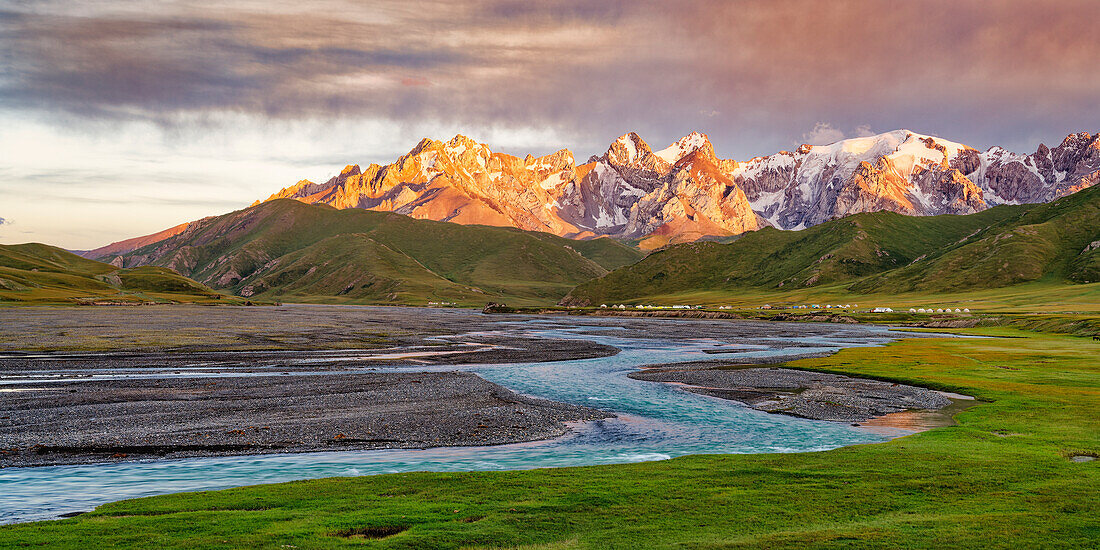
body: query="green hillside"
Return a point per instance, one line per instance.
(875, 254)
(1045, 241)
(41, 274)
(288, 250)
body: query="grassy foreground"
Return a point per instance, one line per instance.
(1000, 478)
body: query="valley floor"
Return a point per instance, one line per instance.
(200, 381)
(1016, 471)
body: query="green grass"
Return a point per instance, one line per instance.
(290, 251)
(1034, 298)
(1001, 478)
(38, 274)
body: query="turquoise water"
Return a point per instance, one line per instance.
(655, 421)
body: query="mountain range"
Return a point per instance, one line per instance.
(685, 193)
(894, 212)
(877, 253)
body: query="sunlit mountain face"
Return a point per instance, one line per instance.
(684, 192)
(126, 118)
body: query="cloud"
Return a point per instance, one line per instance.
(751, 72)
(822, 134)
(269, 89)
(864, 130)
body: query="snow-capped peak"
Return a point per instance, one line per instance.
(632, 191)
(904, 147)
(628, 150)
(682, 147)
(459, 144)
(629, 145)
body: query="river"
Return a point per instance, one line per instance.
(655, 421)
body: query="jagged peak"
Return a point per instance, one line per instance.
(560, 153)
(557, 157)
(302, 184)
(627, 149)
(460, 146)
(349, 171)
(685, 146)
(426, 143)
(704, 153)
(1082, 138)
(693, 140)
(459, 140)
(631, 136)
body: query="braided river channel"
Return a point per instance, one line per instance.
(654, 421)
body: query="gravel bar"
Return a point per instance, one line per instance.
(807, 394)
(113, 420)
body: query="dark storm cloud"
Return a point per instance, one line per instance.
(756, 75)
(124, 67)
(525, 11)
(350, 59)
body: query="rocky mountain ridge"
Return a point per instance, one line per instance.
(685, 193)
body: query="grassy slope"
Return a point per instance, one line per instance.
(875, 254)
(355, 267)
(1001, 478)
(469, 264)
(1043, 242)
(40, 274)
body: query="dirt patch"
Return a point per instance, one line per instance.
(373, 532)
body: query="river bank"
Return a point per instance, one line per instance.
(1013, 472)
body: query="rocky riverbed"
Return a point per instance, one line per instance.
(93, 384)
(83, 385)
(807, 394)
(112, 420)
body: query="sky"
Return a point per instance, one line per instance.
(120, 119)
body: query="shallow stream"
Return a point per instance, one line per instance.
(655, 421)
